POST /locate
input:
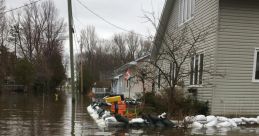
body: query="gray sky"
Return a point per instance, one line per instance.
(127, 14)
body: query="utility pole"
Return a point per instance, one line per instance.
(70, 23)
(81, 67)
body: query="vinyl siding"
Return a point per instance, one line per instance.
(206, 13)
(238, 36)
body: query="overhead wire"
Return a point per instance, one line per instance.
(109, 22)
(25, 5)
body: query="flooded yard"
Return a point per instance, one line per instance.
(28, 114)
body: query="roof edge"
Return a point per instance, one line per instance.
(163, 23)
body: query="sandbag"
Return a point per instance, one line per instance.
(154, 119)
(167, 123)
(120, 118)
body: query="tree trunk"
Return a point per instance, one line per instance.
(171, 101)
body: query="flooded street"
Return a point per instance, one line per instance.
(23, 114)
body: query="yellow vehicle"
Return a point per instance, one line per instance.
(118, 106)
(113, 99)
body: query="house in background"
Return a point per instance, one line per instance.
(101, 89)
(125, 80)
(231, 49)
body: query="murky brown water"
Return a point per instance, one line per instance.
(23, 114)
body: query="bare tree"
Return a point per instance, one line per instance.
(39, 30)
(132, 40)
(173, 53)
(89, 42)
(3, 41)
(120, 42)
(144, 74)
(145, 47)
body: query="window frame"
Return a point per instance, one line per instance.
(186, 6)
(159, 80)
(256, 51)
(172, 71)
(198, 72)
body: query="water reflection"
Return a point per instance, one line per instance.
(27, 114)
(23, 114)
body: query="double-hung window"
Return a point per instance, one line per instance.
(196, 72)
(186, 11)
(256, 66)
(172, 71)
(159, 79)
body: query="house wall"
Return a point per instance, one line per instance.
(135, 86)
(120, 85)
(238, 36)
(206, 13)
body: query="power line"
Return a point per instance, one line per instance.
(108, 22)
(25, 5)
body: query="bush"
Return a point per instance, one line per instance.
(154, 103)
(181, 107)
(191, 106)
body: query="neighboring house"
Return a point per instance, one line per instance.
(101, 89)
(125, 79)
(231, 50)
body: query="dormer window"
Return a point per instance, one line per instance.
(186, 11)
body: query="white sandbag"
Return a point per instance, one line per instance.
(233, 123)
(136, 120)
(100, 123)
(95, 116)
(245, 119)
(162, 116)
(212, 123)
(257, 119)
(106, 114)
(252, 120)
(189, 119)
(90, 109)
(224, 124)
(211, 118)
(196, 125)
(200, 118)
(238, 121)
(222, 119)
(110, 119)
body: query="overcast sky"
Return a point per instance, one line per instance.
(127, 14)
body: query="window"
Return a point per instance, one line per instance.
(172, 71)
(159, 78)
(196, 69)
(256, 66)
(186, 10)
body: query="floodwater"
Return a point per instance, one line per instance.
(46, 115)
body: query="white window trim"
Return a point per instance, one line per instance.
(181, 14)
(198, 76)
(254, 67)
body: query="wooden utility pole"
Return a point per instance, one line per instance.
(81, 67)
(70, 23)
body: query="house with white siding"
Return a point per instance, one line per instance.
(230, 50)
(125, 80)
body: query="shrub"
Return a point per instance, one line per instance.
(182, 106)
(154, 103)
